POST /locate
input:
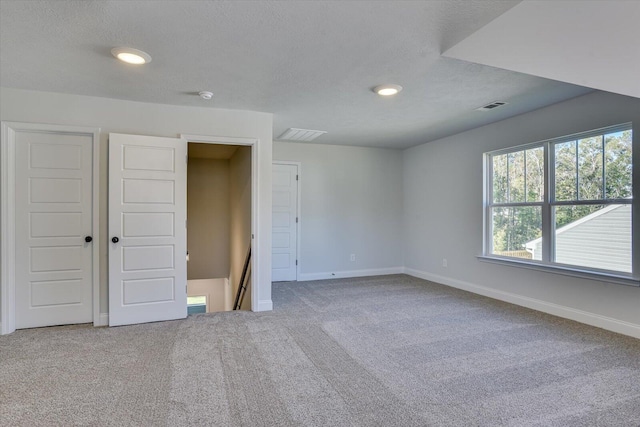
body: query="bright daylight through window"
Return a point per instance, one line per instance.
(564, 202)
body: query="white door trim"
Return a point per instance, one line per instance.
(256, 259)
(298, 210)
(8, 221)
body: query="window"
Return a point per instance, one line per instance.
(196, 304)
(566, 202)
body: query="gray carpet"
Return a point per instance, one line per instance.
(379, 351)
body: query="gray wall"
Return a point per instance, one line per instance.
(443, 210)
(351, 204)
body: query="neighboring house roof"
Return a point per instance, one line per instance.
(599, 240)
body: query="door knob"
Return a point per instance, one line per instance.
(88, 239)
(115, 240)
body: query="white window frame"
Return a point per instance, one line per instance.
(547, 205)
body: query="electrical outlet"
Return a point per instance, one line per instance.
(353, 257)
(444, 262)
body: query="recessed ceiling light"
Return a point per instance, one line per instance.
(387, 90)
(130, 55)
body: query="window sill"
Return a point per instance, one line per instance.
(620, 279)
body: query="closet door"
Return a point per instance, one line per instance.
(147, 229)
(285, 223)
(54, 239)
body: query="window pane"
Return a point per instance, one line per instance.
(199, 300)
(565, 171)
(590, 168)
(500, 178)
(513, 227)
(535, 174)
(618, 165)
(516, 176)
(595, 236)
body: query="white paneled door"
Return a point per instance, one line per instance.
(147, 229)
(285, 222)
(53, 228)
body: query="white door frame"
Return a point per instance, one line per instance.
(298, 210)
(255, 207)
(8, 220)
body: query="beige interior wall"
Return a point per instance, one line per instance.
(216, 290)
(240, 218)
(208, 218)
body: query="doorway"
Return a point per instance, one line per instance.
(148, 226)
(218, 225)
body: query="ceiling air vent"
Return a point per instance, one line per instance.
(294, 134)
(491, 106)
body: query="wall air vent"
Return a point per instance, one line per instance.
(294, 134)
(492, 106)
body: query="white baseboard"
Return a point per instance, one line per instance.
(103, 320)
(305, 277)
(597, 320)
(265, 305)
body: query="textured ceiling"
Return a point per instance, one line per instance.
(606, 60)
(311, 64)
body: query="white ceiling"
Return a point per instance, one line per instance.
(310, 63)
(595, 45)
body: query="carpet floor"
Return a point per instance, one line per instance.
(376, 351)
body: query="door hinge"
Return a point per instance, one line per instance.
(186, 158)
(296, 177)
(296, 262)
(296, 220)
